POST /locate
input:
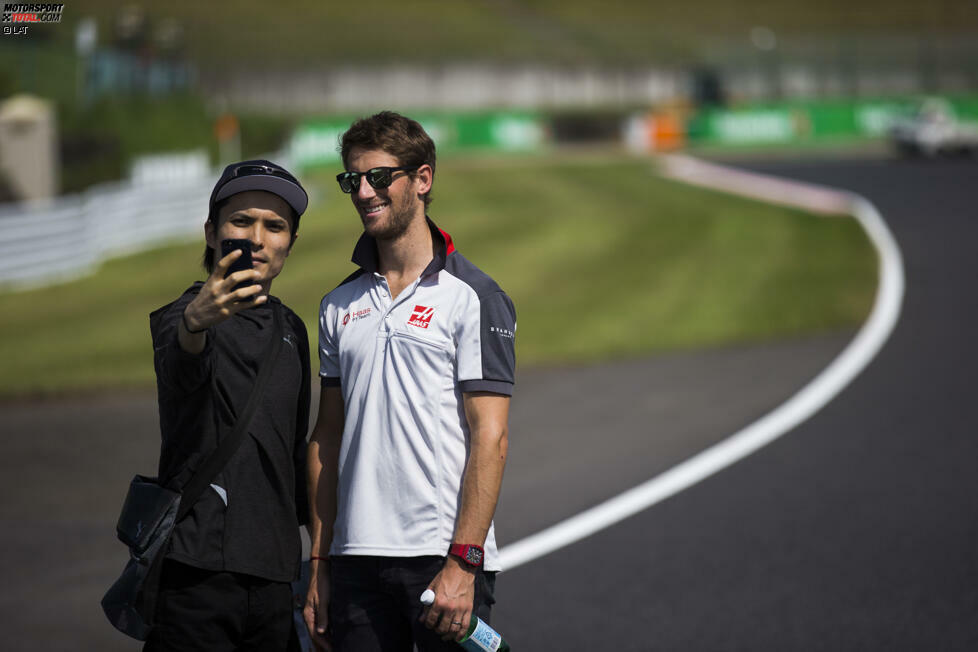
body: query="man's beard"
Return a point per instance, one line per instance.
(400, 220)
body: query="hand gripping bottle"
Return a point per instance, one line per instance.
(480, 637)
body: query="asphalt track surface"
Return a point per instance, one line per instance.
(858, 530)
(855, 531)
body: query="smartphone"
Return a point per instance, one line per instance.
(244, 260)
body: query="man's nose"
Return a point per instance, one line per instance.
(256, 234)
(365, 191)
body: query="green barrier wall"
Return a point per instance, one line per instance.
(315, 143)
(812, 122)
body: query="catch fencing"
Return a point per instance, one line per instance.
(65, 238)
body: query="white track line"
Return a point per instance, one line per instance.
(822, 389)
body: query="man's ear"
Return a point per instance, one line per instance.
(210, 234)
(295, 236)
(425, 176)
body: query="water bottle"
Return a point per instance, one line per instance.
(479, 637)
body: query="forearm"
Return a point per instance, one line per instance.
(190, 333)
(487, 415)
(323, 460)
(480, 485)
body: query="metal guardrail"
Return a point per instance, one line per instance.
(69, 237)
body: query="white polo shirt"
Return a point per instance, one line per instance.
(402, 365)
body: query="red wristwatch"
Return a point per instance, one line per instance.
(472, 555)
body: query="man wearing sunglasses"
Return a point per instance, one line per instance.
(406, 459)
(225, 582)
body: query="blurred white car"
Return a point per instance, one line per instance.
(933, 129)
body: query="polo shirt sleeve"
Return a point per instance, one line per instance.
(486, 345)
(329, 350)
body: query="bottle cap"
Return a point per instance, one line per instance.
(428, 597)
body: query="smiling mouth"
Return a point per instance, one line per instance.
(372, 210)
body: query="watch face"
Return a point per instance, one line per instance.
(473, 556)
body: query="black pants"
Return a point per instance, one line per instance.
(375, 603)
(217, 612)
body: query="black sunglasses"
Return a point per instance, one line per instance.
(378, 178)
(256, 168)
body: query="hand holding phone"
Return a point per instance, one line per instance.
(214, 303)
(242, 263)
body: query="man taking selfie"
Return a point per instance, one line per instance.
(225, 582)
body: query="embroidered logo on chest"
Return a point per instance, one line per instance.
(355, 315)
(421, 316)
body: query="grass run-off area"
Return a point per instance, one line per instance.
(602, 258)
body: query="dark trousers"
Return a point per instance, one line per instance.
(375, 603)
(217, 612)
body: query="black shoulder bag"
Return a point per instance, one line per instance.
(151, 511)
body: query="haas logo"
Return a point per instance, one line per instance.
(421, 317)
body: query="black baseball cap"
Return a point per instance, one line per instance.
(260, 174)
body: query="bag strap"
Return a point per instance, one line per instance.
(217, 460)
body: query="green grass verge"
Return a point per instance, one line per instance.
(602, 259)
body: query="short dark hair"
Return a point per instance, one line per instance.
(399, 136)
(208, 259)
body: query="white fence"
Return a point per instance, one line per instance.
(69, 237)
(459, 86)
